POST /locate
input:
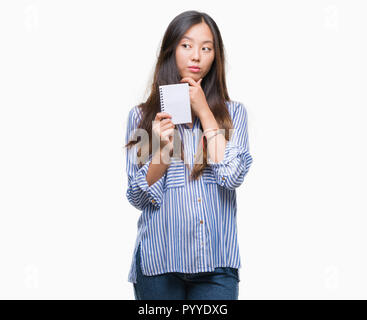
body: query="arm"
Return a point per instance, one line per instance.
(234, 155)
(145, 184)
(157, 168)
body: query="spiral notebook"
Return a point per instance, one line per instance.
(175, 100)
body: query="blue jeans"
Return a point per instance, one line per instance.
(221, 284)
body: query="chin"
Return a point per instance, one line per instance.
(196, 77)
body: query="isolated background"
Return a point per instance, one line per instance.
(71, 70)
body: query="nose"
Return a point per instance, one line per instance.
(196, 54)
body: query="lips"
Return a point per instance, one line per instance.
(194, 68)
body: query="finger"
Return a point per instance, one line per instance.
(167, 133)
(162, 126)
(199, 82)
(167, 126)
(162, 115)
(165, 121)
(191, 81)
(158, 127)
(161, 118)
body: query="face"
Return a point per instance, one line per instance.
(196, 48)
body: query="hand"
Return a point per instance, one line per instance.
(163, 128)
(197, 96)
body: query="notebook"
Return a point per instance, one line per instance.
(175, 100)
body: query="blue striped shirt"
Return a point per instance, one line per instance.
(189, 226)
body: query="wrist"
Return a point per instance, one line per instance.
(164, 155)
(215, 133)
(204, 113)
(209, 132)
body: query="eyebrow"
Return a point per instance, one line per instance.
(186, 37)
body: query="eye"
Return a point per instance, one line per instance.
(209, 49)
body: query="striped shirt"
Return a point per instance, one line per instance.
(189, 226)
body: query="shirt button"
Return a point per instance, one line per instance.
(193, 134)
(201, 221)
(223, 178)
(199, 199)
(153, 201)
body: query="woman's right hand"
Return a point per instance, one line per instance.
(163, 128)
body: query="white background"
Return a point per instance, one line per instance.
(71, 70)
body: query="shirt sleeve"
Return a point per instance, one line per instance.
(230, 172)
(139, 193)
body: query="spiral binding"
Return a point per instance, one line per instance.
(161, 98)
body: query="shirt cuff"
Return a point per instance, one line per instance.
(235, 163)
(154, 191)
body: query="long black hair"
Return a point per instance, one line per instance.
(166, 72)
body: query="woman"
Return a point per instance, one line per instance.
(187, 246)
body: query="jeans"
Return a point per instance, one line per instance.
(221, 284)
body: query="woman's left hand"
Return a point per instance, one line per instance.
(198, 101)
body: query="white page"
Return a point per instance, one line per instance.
(176, 99)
